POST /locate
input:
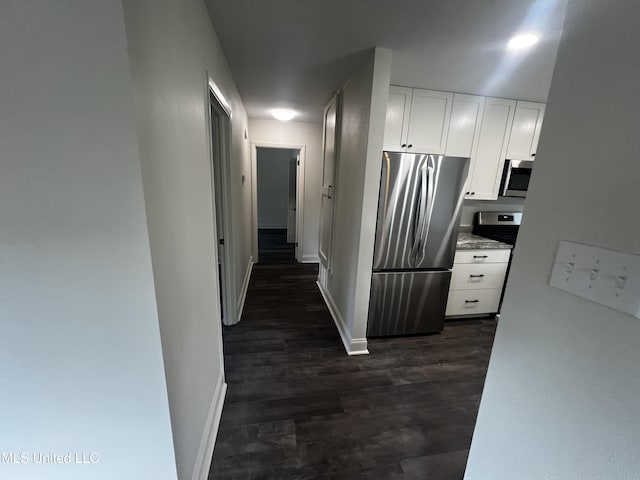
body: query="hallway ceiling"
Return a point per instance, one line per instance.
(296, 53)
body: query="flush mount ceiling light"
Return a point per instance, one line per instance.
(282, 114)
(522, 41)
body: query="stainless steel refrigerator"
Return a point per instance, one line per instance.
(419, 208)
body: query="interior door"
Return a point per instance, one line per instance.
(328, 181)
(291, 211)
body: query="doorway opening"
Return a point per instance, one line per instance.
(277, 194)
(220, 134)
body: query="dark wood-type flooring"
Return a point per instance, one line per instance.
(273, 247)
(298, 407)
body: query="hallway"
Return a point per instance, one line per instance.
(298, 407)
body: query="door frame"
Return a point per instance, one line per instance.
(299, 194)
(227, 289)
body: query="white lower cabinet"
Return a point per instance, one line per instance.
(476, 282)
(473, 302)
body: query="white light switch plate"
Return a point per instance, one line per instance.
(603, 276)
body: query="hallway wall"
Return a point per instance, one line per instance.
(80, 358)
(364, 103)
(561, 396)
(275, 133)
(171, 46)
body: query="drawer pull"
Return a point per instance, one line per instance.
(477, 276)
(472, 301)
(481, 256)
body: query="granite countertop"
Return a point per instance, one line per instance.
(469, 241)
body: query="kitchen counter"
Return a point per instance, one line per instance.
(469, 241)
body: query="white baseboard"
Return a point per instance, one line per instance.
(243, 291)
(353, 346)
(310, 259)
(208, 441)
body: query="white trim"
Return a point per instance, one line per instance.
(210, 432)
(353, 346)
(299, 194)
(310, 259)
(222, 100)
(245, 287)
(228, 288)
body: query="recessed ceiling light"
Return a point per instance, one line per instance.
(282, 114)
(522, 41)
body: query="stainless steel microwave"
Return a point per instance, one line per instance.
(515, 178)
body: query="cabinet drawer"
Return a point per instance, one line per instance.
(482, 256)
(473, 302)
(473, 276)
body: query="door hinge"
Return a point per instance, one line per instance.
(296, 244)
(298, 162)
(221, 241)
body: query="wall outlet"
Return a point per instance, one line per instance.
(603, 276)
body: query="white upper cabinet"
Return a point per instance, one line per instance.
(429, 121)
(464, 126)
(486, 130)
(488, 158)
(417, 120)
(397, 122)
(525, 131)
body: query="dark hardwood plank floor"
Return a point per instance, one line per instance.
(273, 247)
(298, 407)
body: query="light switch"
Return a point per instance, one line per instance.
(603, 276)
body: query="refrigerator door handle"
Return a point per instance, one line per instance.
(428, 185)
(423, 200)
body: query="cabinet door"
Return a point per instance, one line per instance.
(491, 150)
(525, 131)
(397, 122)
(464, 127)
(429, 121)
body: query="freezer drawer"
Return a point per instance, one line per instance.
(407, 302)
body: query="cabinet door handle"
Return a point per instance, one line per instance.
(410, 145)
(476, 276)
(472, 301)
(403, 145)
(481, 256)
(467, 193)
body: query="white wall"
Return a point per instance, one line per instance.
(171, 45)
(276, 133)
(364, 103)
(561, 399)
(273, 186)
(80, 358)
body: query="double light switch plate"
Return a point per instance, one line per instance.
(603, 276)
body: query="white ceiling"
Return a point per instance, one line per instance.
(296, 53)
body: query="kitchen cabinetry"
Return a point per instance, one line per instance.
(476, 281)
(489, 153)
(525, 131)
(397, 121)
(464, 126)
(417, 120)
(486, 130)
